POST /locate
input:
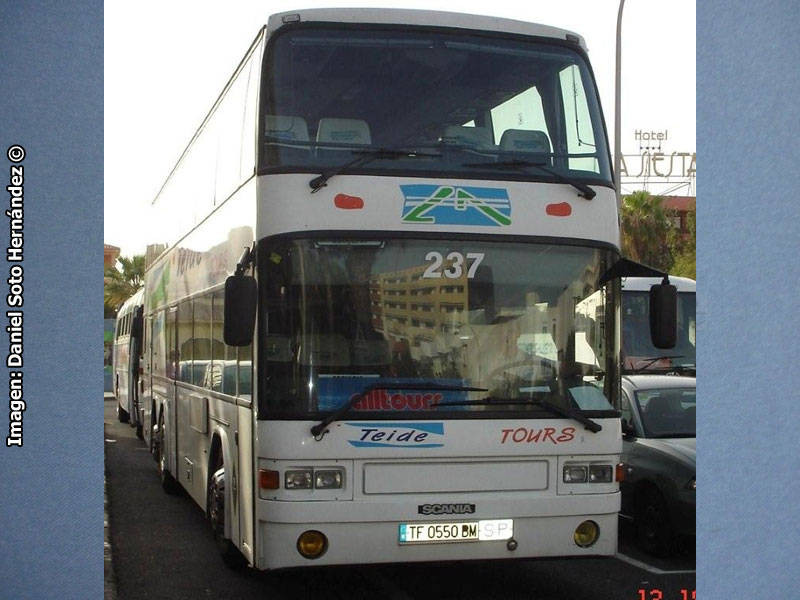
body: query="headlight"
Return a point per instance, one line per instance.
(600, 473)
(575, 474)
(310, 478)
(300, 479)
(588, 474)
(692, 485)
(330, 479)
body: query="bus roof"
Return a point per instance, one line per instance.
(136, 300)
(429, 18)
(643, 284)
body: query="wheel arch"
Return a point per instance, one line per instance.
(220, 449)
(641, 490)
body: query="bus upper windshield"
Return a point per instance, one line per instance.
(451, 101)
(515, 321)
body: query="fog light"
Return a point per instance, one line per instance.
(573, 474)
(312, 544)
(298, 480)
(600, 473)
(586, 534)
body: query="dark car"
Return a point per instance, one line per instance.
(658, 451)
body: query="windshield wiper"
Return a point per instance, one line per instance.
(345, 408)
(366, 156)
(649, 361)
(548, 406)
(585, 190)
(685, 369)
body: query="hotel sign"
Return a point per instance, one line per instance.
(653, 162)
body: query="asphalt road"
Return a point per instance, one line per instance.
(162, 548)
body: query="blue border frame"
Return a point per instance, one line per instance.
(748, 85)
(51, 513)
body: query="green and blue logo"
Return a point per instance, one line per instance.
(456, 205)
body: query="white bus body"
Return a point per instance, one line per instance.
(638, 351)
(466, 254)
(126, 355)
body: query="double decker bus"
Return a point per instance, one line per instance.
(379, 325)
(126, 354)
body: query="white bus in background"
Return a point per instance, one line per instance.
(638, 352)
(369, 272)
(127, 351)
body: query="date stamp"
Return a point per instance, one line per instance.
(657, 594)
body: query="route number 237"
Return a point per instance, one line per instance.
(456, 263)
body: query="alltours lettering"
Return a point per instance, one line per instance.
(382, 400)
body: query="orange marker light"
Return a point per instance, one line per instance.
(620, 472)
(268, 480)
(348, 202)
(562, 209)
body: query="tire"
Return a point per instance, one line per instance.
(215, 500)
(153, 442)
(653, 528)
(122, 414)
(140, 431)
(168, 483)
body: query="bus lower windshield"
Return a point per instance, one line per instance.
(519, 321)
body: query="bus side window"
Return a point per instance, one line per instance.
(201, 342)
(159, 344)
(185, 326)
(172, 353)
(223, 372)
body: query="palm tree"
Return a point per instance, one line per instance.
(122, 284)
(645, 230)
(684, 250)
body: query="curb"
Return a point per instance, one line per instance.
(109, 584)
(109, 581)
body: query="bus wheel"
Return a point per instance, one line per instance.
(653, 529)
(122, 414)
(216, 515)
(140, 431)
(168, 482)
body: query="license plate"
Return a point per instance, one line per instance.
(472, 531)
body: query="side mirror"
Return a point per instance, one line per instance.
(628, 430)
(241, 295)
(663, 315)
